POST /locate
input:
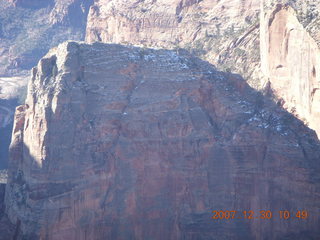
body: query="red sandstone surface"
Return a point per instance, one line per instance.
(127, 143)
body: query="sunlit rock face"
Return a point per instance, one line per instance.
(164, 23)
(119, 142)
(290, 61)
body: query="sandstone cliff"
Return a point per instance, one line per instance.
(307, 12)
(228, 34)
(12, 93)
(290, 62)
(28, 29)
(7, 108)
(121, 142)
(223, 32)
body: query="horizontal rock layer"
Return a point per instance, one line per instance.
(223, 32)
(127, 143)
(226, 33)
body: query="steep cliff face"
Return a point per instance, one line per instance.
(226, 33)
(290, 62)
(307, 12)
(7, 108)
(12, 93)
(6, 228)
(127, 143)
(28, 29)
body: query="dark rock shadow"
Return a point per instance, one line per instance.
(6, 228)
(5, 134)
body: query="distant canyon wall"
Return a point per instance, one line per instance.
(225, 33)
(29, 28)
(290, 61)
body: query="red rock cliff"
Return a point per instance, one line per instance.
(290, 62)
(226, 33)
(128, 143)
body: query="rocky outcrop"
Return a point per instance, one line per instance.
(223, 32)
(121, 142)
(307, 12)
(28, 29)
(226, 33)
(290, 62)
(12, 93)
(71, 12)
(7, 108)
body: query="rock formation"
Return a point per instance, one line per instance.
(28, 29)
(6, 121)
(226, 33)
(12, 93)
(119, 142)
(6, 228)
(290, 62)
(223, 32)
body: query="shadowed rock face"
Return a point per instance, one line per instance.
(128, 143)
(7, 109)
(6, 228)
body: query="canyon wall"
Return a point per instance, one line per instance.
(6, 228)
(119, 142)
(229, 35)
(290, 63)
(29, 28)
(7, 108)
(12, 93)
(225, 33)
